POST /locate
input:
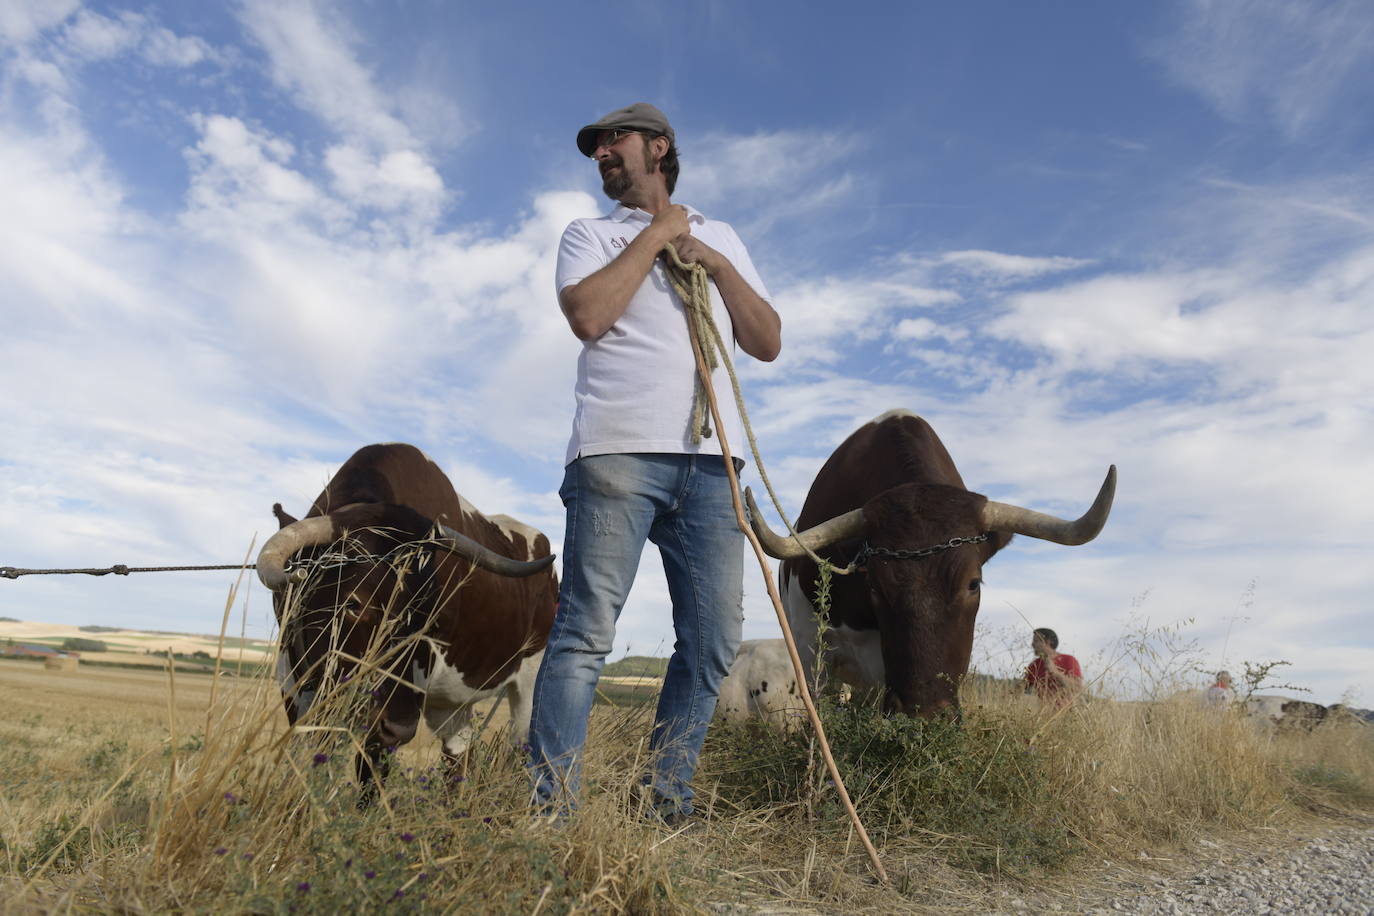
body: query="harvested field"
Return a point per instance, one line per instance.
(137, 792)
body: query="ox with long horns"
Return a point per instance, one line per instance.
(891, 498)
(446, 605)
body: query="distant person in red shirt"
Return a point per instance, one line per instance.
(1053, 675)
(1221, 694)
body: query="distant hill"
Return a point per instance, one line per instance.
(636, 666)
(137, 648)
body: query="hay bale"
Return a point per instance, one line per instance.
(61, 662)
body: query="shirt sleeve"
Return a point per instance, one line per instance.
(1070, 667)
(580, 254)
(739, 256)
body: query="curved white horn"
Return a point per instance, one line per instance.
(817, 537)
(1018, 520)
(280, 547)
(488, 559)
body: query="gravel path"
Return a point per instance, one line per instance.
(1330, 873)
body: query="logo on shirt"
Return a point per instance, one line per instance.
(620, 241)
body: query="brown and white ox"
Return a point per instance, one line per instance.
(762, 686)
(901, 626)
(391, 564)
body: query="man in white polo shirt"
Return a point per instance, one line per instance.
(634, 472)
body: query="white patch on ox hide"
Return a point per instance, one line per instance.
(418, 677)
(448, 701)
(854, 657)
(801, 616)
(512, 528)
(762, 684)
(891, 414)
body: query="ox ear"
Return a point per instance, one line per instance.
(996, 541)
(283, 517)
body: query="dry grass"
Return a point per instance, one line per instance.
(140, 792)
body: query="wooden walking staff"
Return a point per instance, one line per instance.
(692, 287)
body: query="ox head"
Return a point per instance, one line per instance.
(361, 583)
(923, 607)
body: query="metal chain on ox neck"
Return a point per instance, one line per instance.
(868, 551)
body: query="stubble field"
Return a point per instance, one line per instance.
(147, 791)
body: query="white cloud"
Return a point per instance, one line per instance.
(60, 210)
(772, 178)
(1287, 63)
(22, 20)
(312, 55)
(92, 37)
(925, 329)
(395, 181)
(243, 174)
(998, 266)
(1297, 341)
(165, 48)
(823, 318)
(95, 37)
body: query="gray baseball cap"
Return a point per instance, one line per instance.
(639, 116)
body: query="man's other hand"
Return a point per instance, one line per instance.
(694, 251)
(670, 223)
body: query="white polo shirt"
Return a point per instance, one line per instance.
(635, 383)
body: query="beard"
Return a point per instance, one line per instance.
(618, 184)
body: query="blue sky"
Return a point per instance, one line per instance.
(240, 241)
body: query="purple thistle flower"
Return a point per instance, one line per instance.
(321, 758)
(230, 797)
(348, 863)
(407, 837)
(303, 886)
(248, 856)
(486, 820)
(221, 851)
(369, 874)
(398, 895)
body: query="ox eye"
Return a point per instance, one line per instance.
(352, 605)
(975, 584)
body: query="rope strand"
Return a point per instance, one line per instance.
(693, 288)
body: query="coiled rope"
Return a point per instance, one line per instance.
(693, 288)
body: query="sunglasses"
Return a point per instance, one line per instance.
(612, 137)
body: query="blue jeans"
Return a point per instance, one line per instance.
(615, 503)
